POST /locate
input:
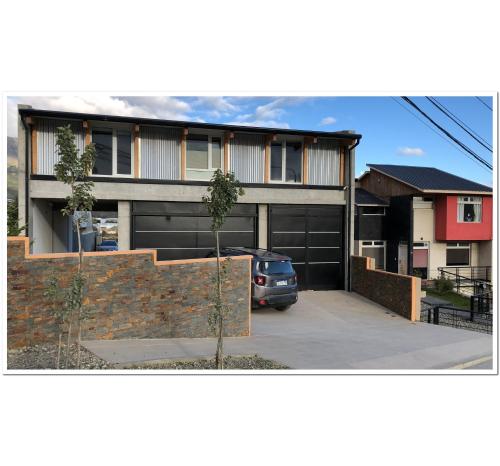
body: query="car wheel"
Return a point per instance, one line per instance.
(282, 308)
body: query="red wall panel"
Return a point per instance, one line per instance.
(447, 228)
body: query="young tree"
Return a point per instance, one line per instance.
(13, 227)
(223, 193)
(73, 169)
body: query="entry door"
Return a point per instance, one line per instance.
(403, 259)
(313, 237)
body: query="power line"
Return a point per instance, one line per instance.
(453, 138)
(461, 121)
(484, 103)
(440, 135)
(444, 110)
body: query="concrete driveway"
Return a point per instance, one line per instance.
(324, 330)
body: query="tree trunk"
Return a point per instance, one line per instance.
(58, 360)
(80, 263)
(68, 343)
(219, 355)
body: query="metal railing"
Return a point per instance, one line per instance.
(458, 318)
(475, 286)
(482, 302)
(471, 272)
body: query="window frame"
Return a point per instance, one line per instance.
(462, 201)
(459, 245)
(373, 206)
(209, 164)
(114, 149)
(283, 143)
(375, 244)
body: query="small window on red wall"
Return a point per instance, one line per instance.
(469, 209)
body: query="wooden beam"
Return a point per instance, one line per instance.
(34, 149)
(136, 151)
(341, 156)
(305, 168)
(267, 157)
(227, 137)
(183, 153)
(86, 125)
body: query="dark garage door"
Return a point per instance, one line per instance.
(181, 230)
(313, 237)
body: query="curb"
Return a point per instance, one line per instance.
(474, 362)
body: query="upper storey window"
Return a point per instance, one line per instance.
(203, 156)
(469, 209)
(286, 162)
(113, 152)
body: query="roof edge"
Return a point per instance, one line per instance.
(184, 124)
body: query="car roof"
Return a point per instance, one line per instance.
(263, 254)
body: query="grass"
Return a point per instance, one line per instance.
(455, 299)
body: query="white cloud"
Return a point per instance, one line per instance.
(268, 115)
(411, 151)
(328, 121)
(215, 106)
(139, 106)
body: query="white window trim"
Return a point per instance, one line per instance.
(114, 151)
(283, 164)
(206, 170)
(477, 200)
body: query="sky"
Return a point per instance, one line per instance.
(391, 132)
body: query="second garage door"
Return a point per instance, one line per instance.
(313, 237)
(181, 230)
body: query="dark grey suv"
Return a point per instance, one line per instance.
(274, 281)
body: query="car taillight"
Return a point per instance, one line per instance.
(260, 280)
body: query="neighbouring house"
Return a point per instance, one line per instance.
(150, 175)
(370, 229)
(431, 220)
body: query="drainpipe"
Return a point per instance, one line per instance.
(349, 214)
(27, 175)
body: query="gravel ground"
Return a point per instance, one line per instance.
(44, 357)
(230, 362)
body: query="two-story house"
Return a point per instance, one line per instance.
(433, 219)
(299, 188)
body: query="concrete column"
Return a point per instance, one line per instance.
(263, 225)
(22, 170)
(41, 232)
(124, 225)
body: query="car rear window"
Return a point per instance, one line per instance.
(272, 267)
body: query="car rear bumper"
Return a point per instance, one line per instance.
(275, 300)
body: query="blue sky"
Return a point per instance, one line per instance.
(391, 134)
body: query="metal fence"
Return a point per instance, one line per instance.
(458, 318)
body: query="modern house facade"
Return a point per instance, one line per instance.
(299, 188)
(432, 219)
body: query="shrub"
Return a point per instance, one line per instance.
(443, 285)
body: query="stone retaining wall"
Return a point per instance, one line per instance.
(129, 294)
(399, 293)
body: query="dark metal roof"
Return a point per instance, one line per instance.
(364, 197)
(430, 179)
(24, 112)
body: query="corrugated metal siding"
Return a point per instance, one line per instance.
(247, 158)
(324, 163)
(46, 142)
(160, 153)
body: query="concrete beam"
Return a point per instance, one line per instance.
(188, 193)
